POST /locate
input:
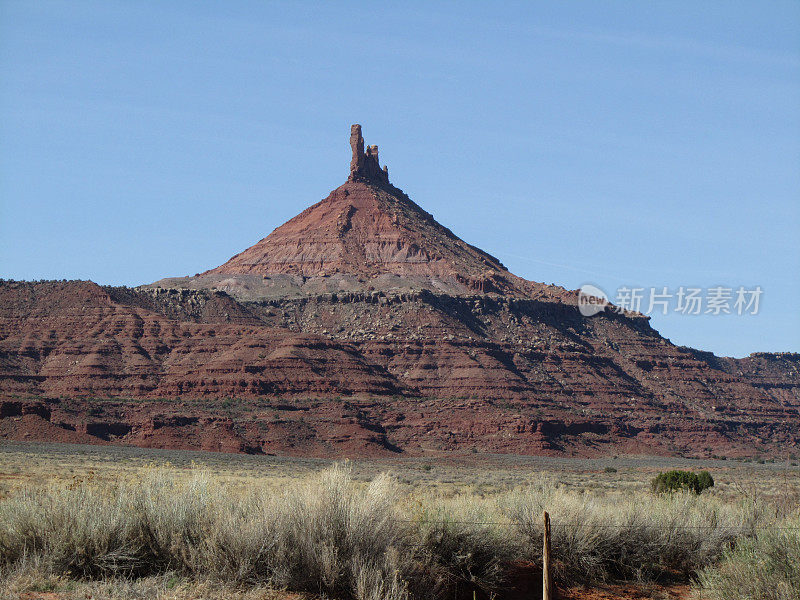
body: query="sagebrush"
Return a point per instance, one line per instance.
(330, 534)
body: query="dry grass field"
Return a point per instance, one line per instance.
(116, 522)
(480, 474)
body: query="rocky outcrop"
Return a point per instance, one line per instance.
(364, 166)
(358, 427)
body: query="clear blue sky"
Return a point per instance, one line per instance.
(617, 143)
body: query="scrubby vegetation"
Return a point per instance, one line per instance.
(766, 566)
(322, 536)
(602, 538)
(343, 538)
(673, 481)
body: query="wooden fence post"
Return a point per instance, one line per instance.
(547, 581)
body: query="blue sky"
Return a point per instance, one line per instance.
(617, 143)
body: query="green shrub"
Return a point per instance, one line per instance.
(673, 481)
(705, 480)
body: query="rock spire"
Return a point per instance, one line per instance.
(364, 166)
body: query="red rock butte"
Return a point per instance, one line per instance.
(368, 228)
(363, 327)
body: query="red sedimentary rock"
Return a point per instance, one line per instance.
(364, 327)
(364, 166)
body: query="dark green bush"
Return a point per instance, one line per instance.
(673, 481)
(705, 480)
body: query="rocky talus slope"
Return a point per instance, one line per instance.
(363, 327)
